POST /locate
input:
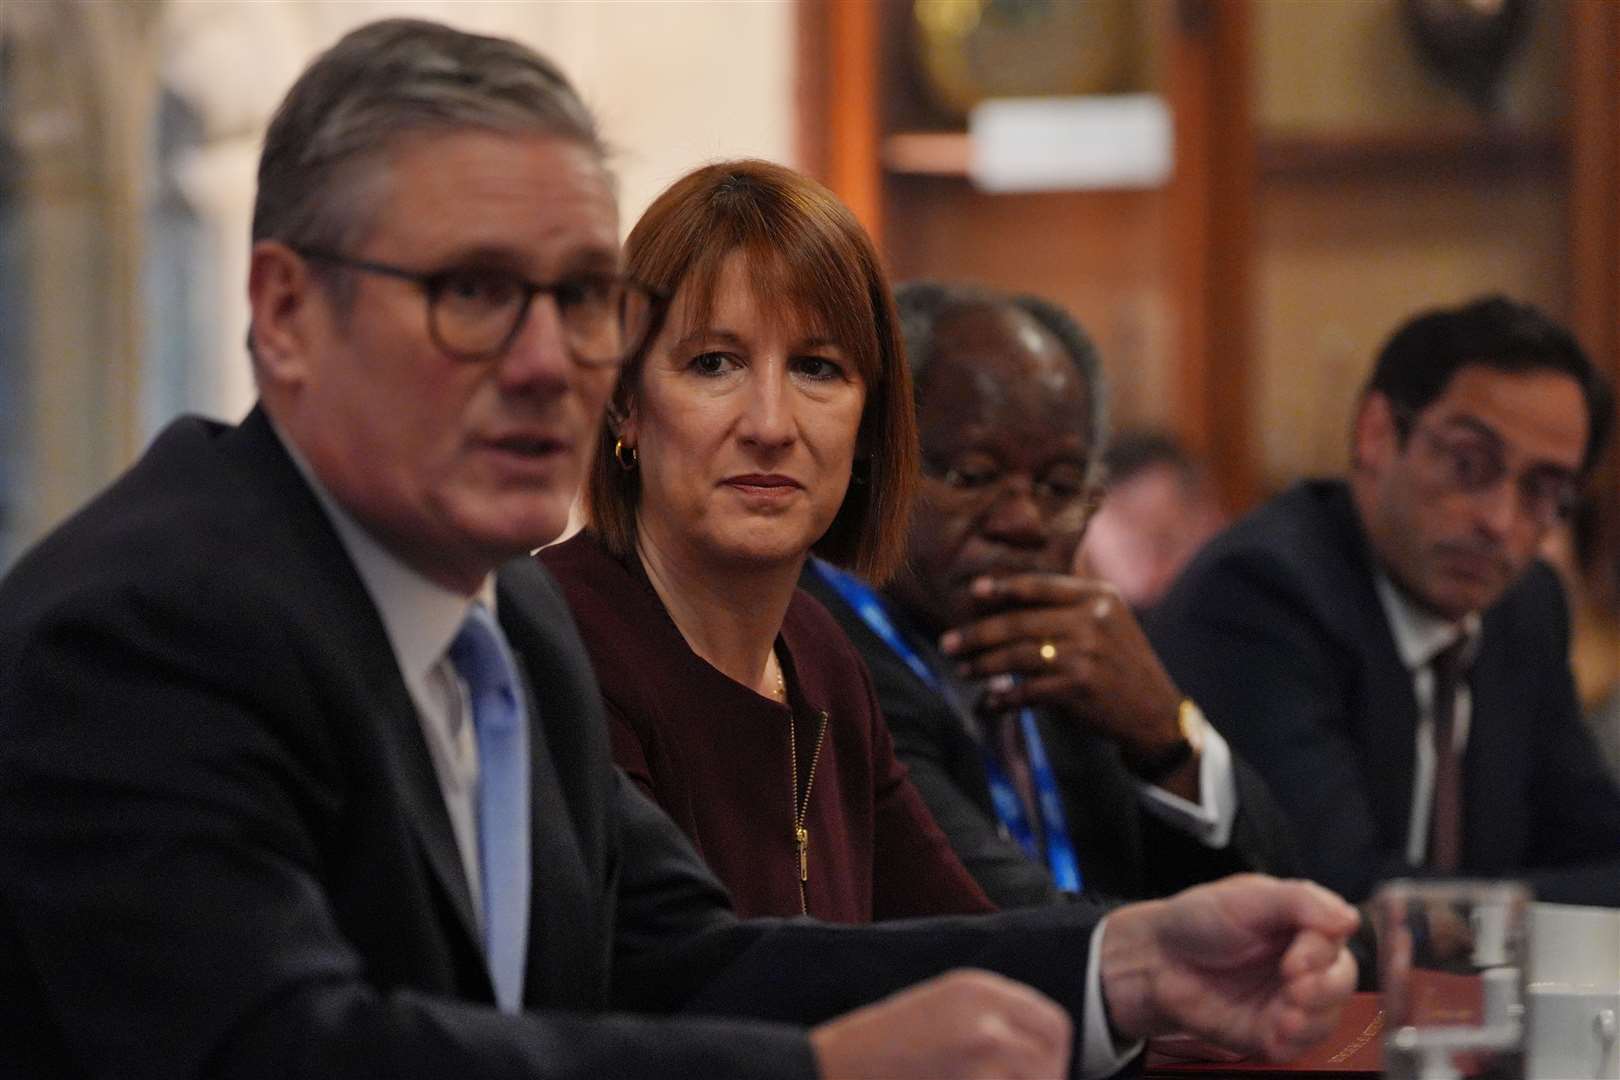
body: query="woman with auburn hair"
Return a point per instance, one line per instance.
(769, 417)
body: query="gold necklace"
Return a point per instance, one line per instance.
(801, 808)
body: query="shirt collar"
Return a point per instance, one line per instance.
(420, 616)
(1420, 634)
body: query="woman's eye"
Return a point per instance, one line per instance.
(713, 363)
(818, 367)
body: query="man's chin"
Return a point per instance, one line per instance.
(506, 536)
(958, 609)
(1459, 598)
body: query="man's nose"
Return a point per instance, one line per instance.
(1498, 507)
(540, 354)
(1014, 515)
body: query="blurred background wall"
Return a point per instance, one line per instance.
(129, 135)
(1337, 164)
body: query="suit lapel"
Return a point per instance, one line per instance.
(564, 966)
(1100, 804)
(959, 699)
(1388, 738)
(1386, 721)
(417, 782)
(345, 622)
(557, 887)
(1493, 814)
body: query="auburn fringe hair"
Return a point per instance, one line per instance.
(808, 256)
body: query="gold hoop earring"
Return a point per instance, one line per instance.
(619, 450)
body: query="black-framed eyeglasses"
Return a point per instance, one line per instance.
(976, 486)
(475, 313)
(1474, 461)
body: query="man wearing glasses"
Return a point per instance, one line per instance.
(1046, 738)
(1388, 651)
(303, 772)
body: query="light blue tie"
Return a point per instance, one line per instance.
(480, 654)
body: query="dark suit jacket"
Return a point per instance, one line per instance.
(1123, 851)
(1277, 630)
(223, 849)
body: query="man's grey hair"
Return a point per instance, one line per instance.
(923, 305)
(325, 157)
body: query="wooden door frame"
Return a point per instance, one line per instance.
(1594, 231)
(1211, 236)
(839, 137)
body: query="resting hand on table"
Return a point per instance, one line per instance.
(1250, 963)
(1076, 648)
(963, 1024)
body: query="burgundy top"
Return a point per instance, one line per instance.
(714, 754)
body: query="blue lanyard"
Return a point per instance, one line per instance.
(1009, 806)
(1060, 857)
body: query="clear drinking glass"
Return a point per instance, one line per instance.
(1451, 971)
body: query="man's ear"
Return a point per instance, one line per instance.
(1375, 438)
(282, 301)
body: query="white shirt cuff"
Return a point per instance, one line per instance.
(1100, 1055)
(1209, 821)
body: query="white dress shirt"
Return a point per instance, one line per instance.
(1210, 819)
(421, 618)
(1100, 1055)
(1420, 636)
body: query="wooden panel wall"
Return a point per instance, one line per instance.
(1594, 232)
(1158, 276)
(1241, 304)
(840, 107)
(1210, 232)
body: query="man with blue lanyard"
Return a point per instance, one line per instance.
(1038, 724)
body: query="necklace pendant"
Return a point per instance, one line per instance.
(802, 835)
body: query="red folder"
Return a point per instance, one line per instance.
(1354, 1048)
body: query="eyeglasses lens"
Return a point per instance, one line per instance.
(1474, 468)
(602, 321)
